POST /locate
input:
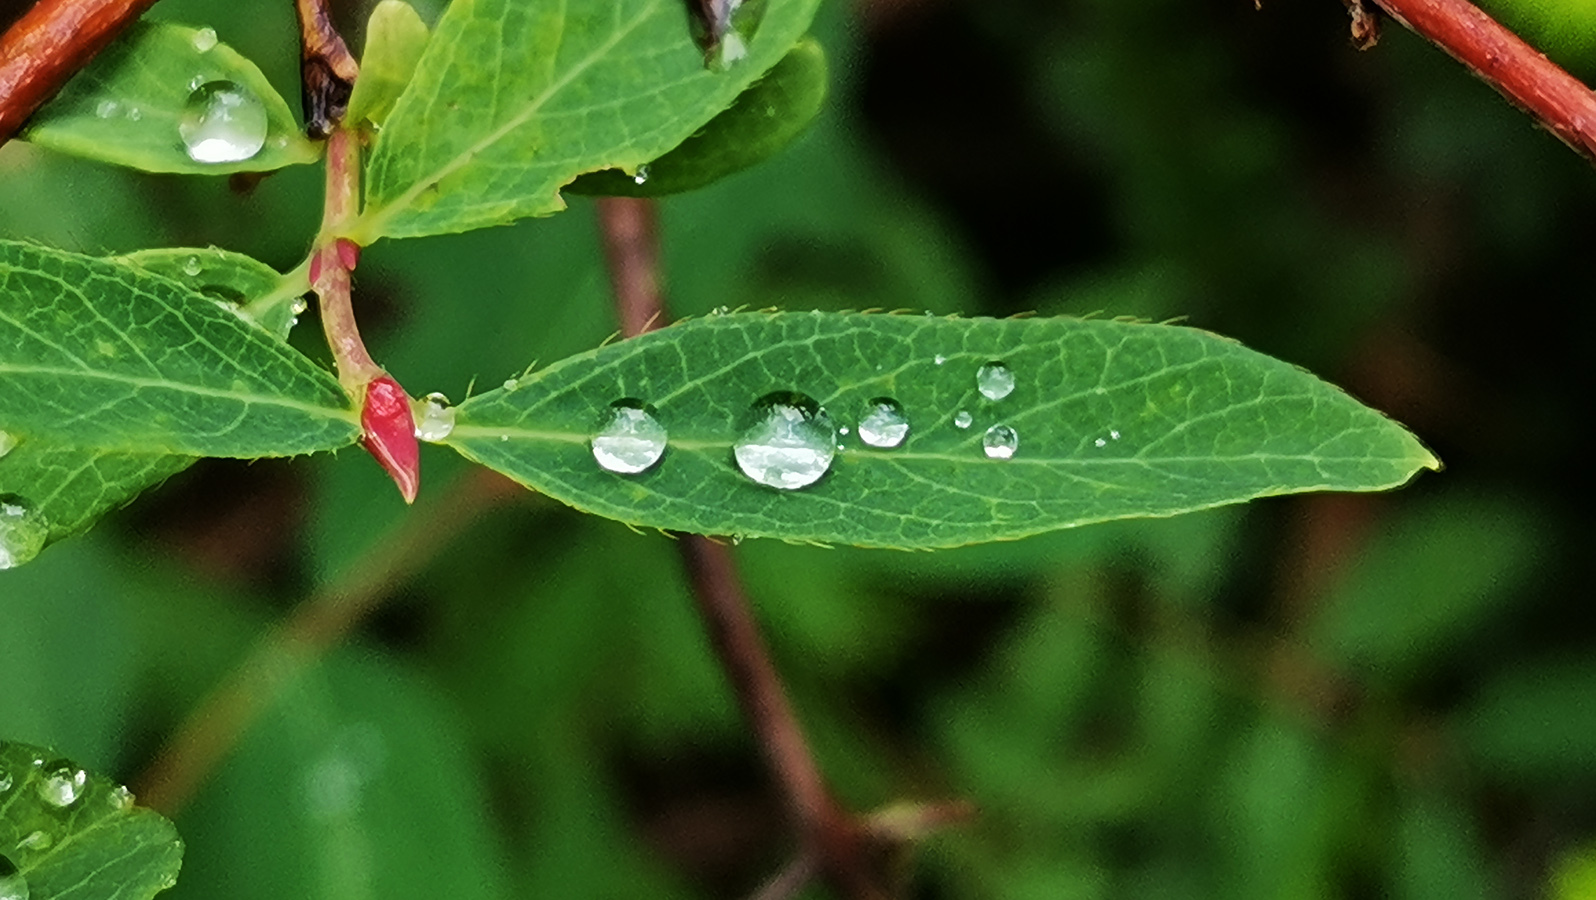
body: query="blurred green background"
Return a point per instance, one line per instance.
(1314, 697)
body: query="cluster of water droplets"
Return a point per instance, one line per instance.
(23, 531)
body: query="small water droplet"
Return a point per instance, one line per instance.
(23, 531)
(720, 311)
(963, 419)
(195, 82)
(223, 122)
(642, 175)
(36, 840)
(300, 305)
(789, 444)
(939, 359)
(1114, 435)
(884, 425)
(7, 444)
(5, 782)
(504, 438)
(62, 783)
(121, 798)
(205, 40)
(105, 109)
(843, 430)
(12, 885)
(629, 440)
(134, 113)
(191, 266)
(1000, 442)
(434, 417)
(994, 380)
(1100, 442)
(509, 384)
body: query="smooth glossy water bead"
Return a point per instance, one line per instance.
(1000, 442)
(62, 783)
(884, 425)
(222, 123)
(191, 267)
(120, 798)
(789, 445)
(434, 417)
(5, 782)
(630, 439)
(205, 40)
(22, 531)
(12, 885)
(994, 380)
(642, 175)
(963, 419)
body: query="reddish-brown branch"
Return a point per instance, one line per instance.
(1521, 73)
(48, 45)
(327, 69)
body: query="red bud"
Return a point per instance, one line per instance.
(391, 434)
(348, 253)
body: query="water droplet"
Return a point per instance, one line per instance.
(720, 311)
(195, 82)
(994, 380)
(1100, 443)
(134, 113)
(191, 267)
(36, 840)
(1000, 442)
(843, 430)
(121, 798)
(789, 444)
(642, 175)
(963, 419)
(205, 39)
(509, 384)
(300, 305)
(5, 782)
(223, 123)
(884, 425)
(62, 783)
(1114, 435)
(434, 417)
(105, 109)
(939, 359)
(629, 439)
(12, 885)
(7, 444)
(23, 531)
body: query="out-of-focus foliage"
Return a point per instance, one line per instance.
(1325, 696)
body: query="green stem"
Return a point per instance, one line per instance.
(332, 262)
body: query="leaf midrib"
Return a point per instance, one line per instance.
(326, 412)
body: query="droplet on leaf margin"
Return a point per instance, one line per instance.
(223, 123)
(789, 444)
(630, 439)
(23, 531)
(205, 40)
(62, 783)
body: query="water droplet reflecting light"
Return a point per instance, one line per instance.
(884, 425)
(963, 419)
(434, 417)
(62, 783)
(205, 40)
(629, 440)
(223, 122)
(23, 531)
(1000, 442)
(642, 175)
(789, 445)
(994, 380)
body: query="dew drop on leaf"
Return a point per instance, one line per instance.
(36, 840)
(23, 531)
(1000, 442)
(12, 885)
(62, 783)
(789, 444)
(884, 425)
(105, 109)
(963, 419)
(629, 439)
(7, 444)
(642, 175)
(205, 40)
(434, 417)
(121, 798)
(222, 123)
(994, 380)
(191, 267)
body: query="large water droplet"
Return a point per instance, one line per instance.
(1000, 442)
(205, 40)
(223, 123)
(790, 443)
(884, 425)
(7, 444)
(434, 417)
(62, 783)
(12, 885)
(630, 439)
(994, 380)
(963, 419)
(22, 531)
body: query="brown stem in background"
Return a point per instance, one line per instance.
(1504, 61)
(835, 845)
(327, 69)
(48, 45)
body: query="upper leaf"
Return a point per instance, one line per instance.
(103, 354)
(1113, 420)
(515, 98)
(395, 39)
(126, 106)
(765, 118)
(69, 835)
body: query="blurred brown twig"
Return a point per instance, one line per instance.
(48, 45)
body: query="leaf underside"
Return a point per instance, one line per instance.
(97, 847)
(125, 106)
(1115, 420)
(513, 99)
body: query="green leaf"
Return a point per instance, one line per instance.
(97, 353)
(69, 835)
(764, 119)
(1114, 420)
(395, 40)
(234, 278)
(124, 108)
(72, 487)
(514, 99)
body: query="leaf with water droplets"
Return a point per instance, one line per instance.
(764, 119)
(127, 107)
(100, 354)
(512, 100)
(1106, 420)
(67, 834)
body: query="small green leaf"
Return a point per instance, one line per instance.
(243, 281)
(71, 487)
(1112, 419)
(101, 354)
(395, 40)
(69, 835)
(514, 99)
(125, 107)
(764, 119)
